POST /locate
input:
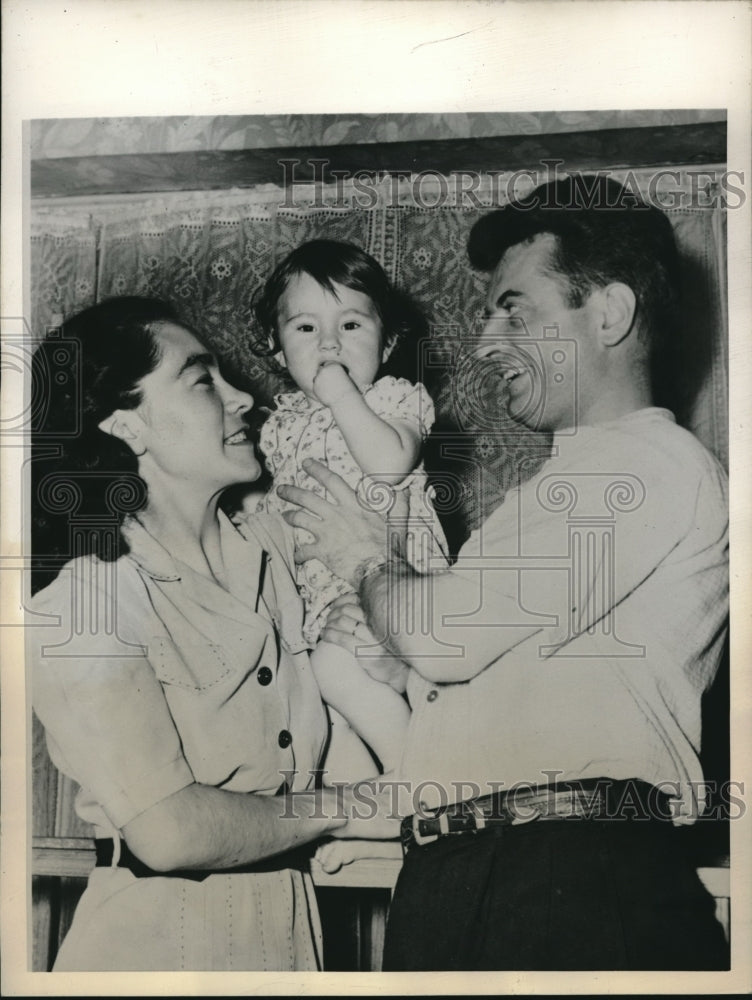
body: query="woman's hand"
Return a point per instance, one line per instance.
(374, 808)
(346, 626)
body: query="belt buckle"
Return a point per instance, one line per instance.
(421, 839)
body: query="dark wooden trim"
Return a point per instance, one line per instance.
(74, 857)
(703, 143)
(63, 856)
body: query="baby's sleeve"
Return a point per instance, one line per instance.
(397, 399)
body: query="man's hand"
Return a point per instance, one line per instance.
(346, 626)
(345, 534)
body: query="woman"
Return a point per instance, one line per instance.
(169, 669)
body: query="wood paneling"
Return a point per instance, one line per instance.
(220, 170)
(53, 794)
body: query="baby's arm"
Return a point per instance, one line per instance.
(388, 449)
(377, 713)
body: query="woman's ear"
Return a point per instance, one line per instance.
(279, 357)
(620, 306)
(124, 425)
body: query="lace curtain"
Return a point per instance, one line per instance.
(208, 252)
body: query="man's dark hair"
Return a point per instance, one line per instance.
(604, 233)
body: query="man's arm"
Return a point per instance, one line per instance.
(353, 542)
(395, 598)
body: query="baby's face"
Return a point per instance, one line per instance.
(316, 328)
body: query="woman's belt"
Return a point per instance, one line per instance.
(592, 799)
(298, 858)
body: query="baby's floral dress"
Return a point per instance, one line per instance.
(300, 428)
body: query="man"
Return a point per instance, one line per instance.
(556, 682)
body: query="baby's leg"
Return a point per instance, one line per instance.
(347, 758)
(377, 713)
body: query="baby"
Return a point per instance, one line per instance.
(331, 318)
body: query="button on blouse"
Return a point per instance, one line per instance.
(264, 676)
(182, 690)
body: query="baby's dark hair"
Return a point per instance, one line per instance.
(331, 262)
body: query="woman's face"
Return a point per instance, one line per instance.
(189, 428)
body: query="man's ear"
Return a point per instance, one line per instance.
(620, 306)
(125, 425)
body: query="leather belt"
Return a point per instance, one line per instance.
(298, 859)
(580, 800)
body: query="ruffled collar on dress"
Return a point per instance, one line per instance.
(297, 402)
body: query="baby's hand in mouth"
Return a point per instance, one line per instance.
(332, 382)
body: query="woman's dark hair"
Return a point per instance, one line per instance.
(331, 262)
(84, 481)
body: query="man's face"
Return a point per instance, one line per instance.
(547, 351)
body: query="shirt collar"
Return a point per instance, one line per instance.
(148, 554)
(244, 562)
(154, 559)
(569, 437)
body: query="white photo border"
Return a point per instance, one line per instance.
(98, 58)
